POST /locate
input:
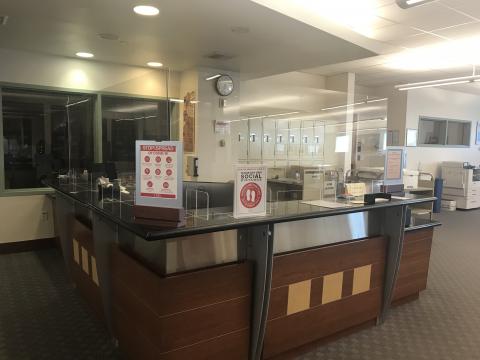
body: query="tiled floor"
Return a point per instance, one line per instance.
(42, 317)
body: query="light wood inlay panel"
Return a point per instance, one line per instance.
(299, 297)
(332, 287)
(361, 279)
(85, 261)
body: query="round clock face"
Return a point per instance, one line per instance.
(224, 85)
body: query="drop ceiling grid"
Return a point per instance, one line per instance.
(427, 24)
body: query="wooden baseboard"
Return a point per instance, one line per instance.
(28, 245)
(313, 345)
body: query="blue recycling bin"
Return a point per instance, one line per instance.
(438, 191)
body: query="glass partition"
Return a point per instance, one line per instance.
(45, 132)
(125, 120)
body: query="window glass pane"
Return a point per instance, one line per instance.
(432, 132)
(126, 120)
(458, 133)
(37, 127)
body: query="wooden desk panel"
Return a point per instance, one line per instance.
(204, 313)
(414, 264)
(333, 288)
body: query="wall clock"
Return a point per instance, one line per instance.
(224, 85)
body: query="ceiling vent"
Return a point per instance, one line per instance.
(219, 56)
(3, 20)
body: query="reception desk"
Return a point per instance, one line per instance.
(225, 288)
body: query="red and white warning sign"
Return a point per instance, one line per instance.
(158, 168)
(250, 191)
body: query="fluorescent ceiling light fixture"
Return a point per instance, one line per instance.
(368, 101)
(213, 77)
(146, 10)
(405, 4)
(440, 82)
(154, 64)
(84, 54)
(448, 54)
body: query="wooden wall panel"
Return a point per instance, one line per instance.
(84, 270)
(186, 290)
(171, 317)
(414, 264)
(352, 275)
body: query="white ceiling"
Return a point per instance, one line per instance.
(430, 24)
(180, 37)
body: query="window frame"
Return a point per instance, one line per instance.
(97, 127)
(446, 121)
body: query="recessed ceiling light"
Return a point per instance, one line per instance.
(154, 64)
(83, 54)
(146, 10)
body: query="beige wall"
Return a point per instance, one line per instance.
(26, 218)
(54, 71)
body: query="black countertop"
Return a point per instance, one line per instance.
(120, 211)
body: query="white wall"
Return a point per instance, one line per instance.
(26, 218)
(216, 161)
(444, 104)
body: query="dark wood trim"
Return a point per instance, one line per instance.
(28, 245)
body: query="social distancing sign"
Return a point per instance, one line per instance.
(250, 191)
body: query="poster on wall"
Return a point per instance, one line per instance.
(250, 191)
(159, 170)
(189, 122)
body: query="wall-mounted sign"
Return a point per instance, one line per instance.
(159, 168)
(394, 164)
(250, 191)
(411, 137)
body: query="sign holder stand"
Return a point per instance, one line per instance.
(159, 179)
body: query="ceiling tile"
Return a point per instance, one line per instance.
(470, 7)
(421, 16)
(388, 33)
(416, 40)
(461, 31)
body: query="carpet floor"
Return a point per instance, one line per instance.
(444, 324)
(43, 317)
